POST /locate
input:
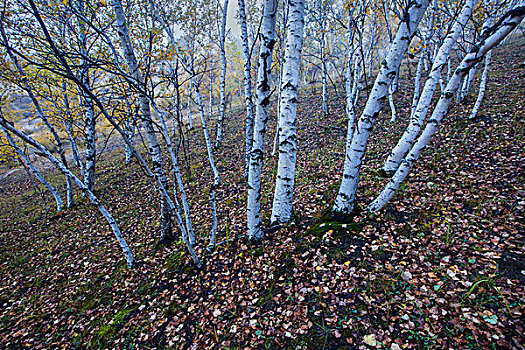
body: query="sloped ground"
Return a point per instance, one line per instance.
(442, 266)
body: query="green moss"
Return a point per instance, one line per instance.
(108, 331)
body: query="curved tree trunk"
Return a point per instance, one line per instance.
(482, 86)
(35, 172)
(154, 147)
(416, 122)
(63, 168)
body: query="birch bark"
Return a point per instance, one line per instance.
(247, 84)
(281, 38)
(222, 101)
(64, 169)
(216, 176)
(39, 112)
(154, 148)
(417, 81)
(482, 86)
(35, 172)
(282, 208)
(69, 130)
(87, 103)
(264, 70)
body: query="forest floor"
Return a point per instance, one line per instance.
(442, 266)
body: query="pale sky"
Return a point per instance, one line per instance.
(231, 22)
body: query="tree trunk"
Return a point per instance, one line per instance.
(417, 82)
(264, 70)
(283, 198)
(69, 130)
(247, 85)
(284, 22)
(482, 86)
(154, 148)
(87, 103)
(63, 168)
(216, 176)
(35, 172)
(222, 101)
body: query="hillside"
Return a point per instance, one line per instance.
(442, 266)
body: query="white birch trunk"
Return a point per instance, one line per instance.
(99, 104)
(416, 122)
(188, 109)
(344, 203)
(89, 113)
(284, 22)
(90, 142)
(130, 132)
(282, 208)
(222, 101)
(35, 172)
(493, 37)
(417, 83)
(264, 70)
(350, 77)
(247, 85)
(323, 65)
(154, 148)
(216, 176)
(467, 83)
(482, 86)
(40, 113)
(69, 130)
(210, 104)
(177, 177)
(391, 103)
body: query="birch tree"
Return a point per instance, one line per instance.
(26, 86)
(282, 208)
(25, 158)
(247, 83)
(222, 101)
(154, 147)
(64, 169)
(264, 70)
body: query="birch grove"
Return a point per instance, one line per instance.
(344, 203)
(132, 75)
(492, 37)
